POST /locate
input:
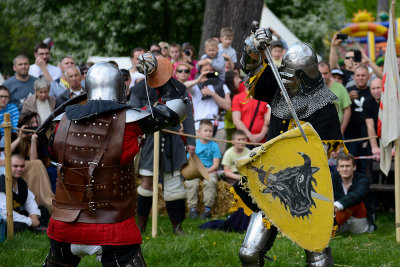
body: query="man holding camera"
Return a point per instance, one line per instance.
(349, 59)
(211, 98)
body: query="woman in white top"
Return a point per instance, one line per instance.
(41, 102)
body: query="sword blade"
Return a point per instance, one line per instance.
(285, 94)
(147, 90)
(319, 196)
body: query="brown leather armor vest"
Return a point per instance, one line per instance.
(92, 186)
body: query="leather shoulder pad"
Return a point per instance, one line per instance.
(136, 114)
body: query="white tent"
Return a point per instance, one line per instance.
(123, 62)
(268, 19)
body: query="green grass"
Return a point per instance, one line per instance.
(215, 248)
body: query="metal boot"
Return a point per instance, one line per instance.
(319, 259)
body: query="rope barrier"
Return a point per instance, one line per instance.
(209, 139)
(359, 139)
(249, 143)
(24, 130)
(16, 128)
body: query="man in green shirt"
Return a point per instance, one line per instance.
(343, 102)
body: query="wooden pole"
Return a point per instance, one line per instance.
(393, 11)
(397, 187)
(397, 151)
(9, 192)
(156, 160)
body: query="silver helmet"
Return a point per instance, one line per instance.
(104, 81)
(299, 70)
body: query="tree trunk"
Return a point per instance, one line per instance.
(237, 14)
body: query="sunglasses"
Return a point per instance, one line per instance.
(349, 57)
(185, 71)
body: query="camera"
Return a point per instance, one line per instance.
(211, 75)
(341, 36)
(187, 52)
(357, 56)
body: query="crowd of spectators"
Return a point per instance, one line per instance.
(218, 103)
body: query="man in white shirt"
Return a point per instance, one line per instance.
(26, 213)
(42, 66)
(210, 98)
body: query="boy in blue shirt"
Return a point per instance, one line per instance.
(210, 155)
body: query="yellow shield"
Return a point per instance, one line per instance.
(290, 181)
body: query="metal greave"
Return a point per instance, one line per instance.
(257, 242)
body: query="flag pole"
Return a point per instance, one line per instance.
(396, 187)
(397, 149)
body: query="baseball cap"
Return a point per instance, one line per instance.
(337, 71)
(380, 61)
(276, 43)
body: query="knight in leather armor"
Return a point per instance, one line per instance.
(94, 146)
(313, 103)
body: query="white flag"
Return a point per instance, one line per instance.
(389, 110)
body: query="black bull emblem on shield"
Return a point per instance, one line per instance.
(293, 186)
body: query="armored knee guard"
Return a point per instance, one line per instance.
(257, 242)
(319, 259)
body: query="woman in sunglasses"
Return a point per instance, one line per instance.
(182, 74)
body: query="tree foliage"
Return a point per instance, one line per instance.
(82, 28)
(310, 21)
(16, 37)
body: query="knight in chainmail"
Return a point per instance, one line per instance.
(313, 103)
